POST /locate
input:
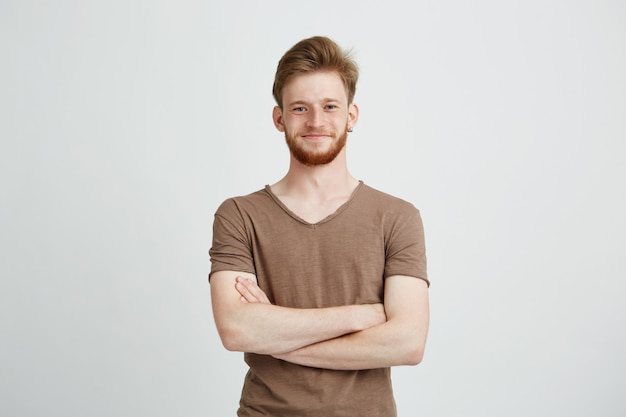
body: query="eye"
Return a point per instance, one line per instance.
(331, 107)
(299, 109)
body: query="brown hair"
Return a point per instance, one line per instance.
(314, 54)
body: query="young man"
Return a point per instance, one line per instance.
(319, 278)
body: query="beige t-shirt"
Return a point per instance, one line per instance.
(341, 260)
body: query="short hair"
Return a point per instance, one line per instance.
(318, 53)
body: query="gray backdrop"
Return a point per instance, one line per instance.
(124, 124)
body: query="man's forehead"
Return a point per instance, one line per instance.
(319, 85)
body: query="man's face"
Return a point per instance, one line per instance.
(315, 117)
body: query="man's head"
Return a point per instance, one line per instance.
(314, 88)
(316, 54)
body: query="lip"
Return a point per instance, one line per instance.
(316, 136)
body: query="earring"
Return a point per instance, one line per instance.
(350, 130)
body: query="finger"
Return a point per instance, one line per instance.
(244, 290)
(246, 293)
(254, 291)
(257, 292)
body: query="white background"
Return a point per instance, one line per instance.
(124, 124)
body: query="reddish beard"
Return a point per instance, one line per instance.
(313, 157)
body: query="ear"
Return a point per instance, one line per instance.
(353, 115)
(277, 116)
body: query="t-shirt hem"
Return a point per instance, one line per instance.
(230, 269)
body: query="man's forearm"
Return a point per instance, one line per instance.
(247, 322)
(269, 329)
(398, 341)
(388, 344)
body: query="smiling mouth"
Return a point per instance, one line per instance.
(317, 135)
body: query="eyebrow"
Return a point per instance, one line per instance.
(324, 100)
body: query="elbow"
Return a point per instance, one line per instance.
(237, 338)
(412, 351)
(414, 346)
(232, 339)
(414, 356)
(231, 345)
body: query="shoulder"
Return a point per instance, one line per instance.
(394, 214)
(385, 201)
(244, 203)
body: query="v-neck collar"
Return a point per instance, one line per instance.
(326, 219)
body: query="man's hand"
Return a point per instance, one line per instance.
(250, 291)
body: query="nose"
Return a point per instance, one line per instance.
(316, 118)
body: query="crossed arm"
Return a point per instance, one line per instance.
(345, 337)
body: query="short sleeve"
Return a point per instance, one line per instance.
(405, 249)
(231, 247)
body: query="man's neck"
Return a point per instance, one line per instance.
(313, 193)
(317, 183)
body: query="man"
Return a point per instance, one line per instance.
(319, 278)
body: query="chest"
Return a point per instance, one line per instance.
(334, 263)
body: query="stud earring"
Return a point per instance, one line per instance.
(350, 130)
